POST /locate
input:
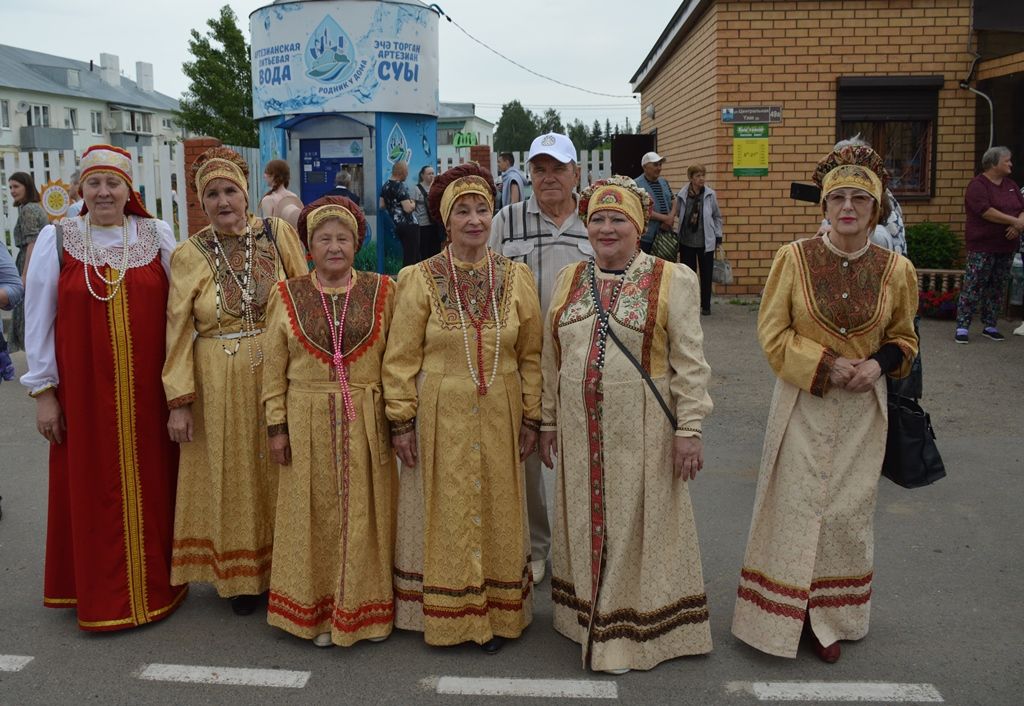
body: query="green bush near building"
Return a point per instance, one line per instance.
(932, 246)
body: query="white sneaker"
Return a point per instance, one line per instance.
(323, 640)
(616, 672)
(538, 567)
(381, 638)
(1019, 331)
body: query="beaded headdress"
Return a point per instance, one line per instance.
(617, 193)
(328, 207)
(107, 159)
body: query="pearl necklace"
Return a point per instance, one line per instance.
(90, 260)
(337, 329)
(248, 305)
(604, 315)
(478, 323)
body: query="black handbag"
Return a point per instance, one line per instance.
(912, 459)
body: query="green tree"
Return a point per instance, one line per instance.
(596, 136)
(551, 121)
(607, 130)
(517, 126)
(218, 101)
(578, 133)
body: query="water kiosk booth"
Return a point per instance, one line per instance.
(347, 84)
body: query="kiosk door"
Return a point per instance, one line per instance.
(323, 159)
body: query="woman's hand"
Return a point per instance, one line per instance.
(843, 370)
(866, 372)
(548, 447)
(405, 447)
(179, 424)
(49, 417)
(280, 449)
(687, 456)
(527, 442)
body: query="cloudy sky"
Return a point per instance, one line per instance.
(594, 44)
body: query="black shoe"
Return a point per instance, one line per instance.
(493, 646)
(244, 605)
(994, 334)
(705, 312)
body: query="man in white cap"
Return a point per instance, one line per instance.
(546, 233)
(663, 215)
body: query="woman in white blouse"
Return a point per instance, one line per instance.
(96, 298)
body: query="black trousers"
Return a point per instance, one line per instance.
(692, 257)
(409, 236)
(430, 240)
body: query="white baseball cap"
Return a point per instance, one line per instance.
(554, 145)
(651, 157)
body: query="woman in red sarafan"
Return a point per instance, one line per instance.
(97, 295)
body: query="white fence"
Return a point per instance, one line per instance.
(158, 174)
(594, 164)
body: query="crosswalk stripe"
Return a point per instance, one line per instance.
(824, 691)
(233, 676)
(549, 688)
(13, 663)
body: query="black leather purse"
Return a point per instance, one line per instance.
(912, 459)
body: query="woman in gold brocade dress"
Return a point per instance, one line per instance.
(220, 280)
(626, 579)
(836, 315)
(462, 387)
(333, 537)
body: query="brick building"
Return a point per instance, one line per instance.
(889, 69)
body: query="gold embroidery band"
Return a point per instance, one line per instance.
(325, 213)
(852, 176)
(131, 492)
(460, 187)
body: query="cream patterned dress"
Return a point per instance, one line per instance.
(811, 541)
(462, 552)
(626, 574)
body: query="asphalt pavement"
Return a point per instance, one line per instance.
(947, 609)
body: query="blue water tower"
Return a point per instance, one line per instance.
(347, 84)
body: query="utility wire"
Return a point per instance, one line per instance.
(437, 8)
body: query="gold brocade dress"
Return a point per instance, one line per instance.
(462, 549)
(334, 529)
(227, 486)
(626, 578)
(811, 541)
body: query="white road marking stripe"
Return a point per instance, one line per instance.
(232, 676)
(820, 691)
(550, 688)
(13, 663)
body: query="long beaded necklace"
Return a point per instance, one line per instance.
(603, 315)
(248, 305)
(478, 323)
(337, 328)
(90, 260)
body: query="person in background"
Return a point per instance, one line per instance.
(221, 278)
(431, 236)
(397, 201)
(75, 195)
(12, 291)
(343, 186)
(700, 230)
(665, 208)
(546, 233)
(513, 183)
(995, 221)
(279, 202)
(31, 219)
(96, 302)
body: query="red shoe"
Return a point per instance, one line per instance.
(828, 654)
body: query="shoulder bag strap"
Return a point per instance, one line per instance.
(59, 243)
(629, 354)
(268, 227)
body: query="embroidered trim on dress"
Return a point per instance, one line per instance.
(181, 401)
(277, 429)
(819, 383)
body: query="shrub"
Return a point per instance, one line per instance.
(932, 246)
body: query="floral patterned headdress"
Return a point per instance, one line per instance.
(861, 156)
(458, 181)
(617, 193)
(328, 207)
(107, 159)
(219, 163)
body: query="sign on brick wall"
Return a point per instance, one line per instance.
(750, 150)
(753, 114)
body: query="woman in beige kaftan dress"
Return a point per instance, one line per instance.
(331, 577)
(837, 312)
(221, 278)
(626, 574)
(462, 386)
